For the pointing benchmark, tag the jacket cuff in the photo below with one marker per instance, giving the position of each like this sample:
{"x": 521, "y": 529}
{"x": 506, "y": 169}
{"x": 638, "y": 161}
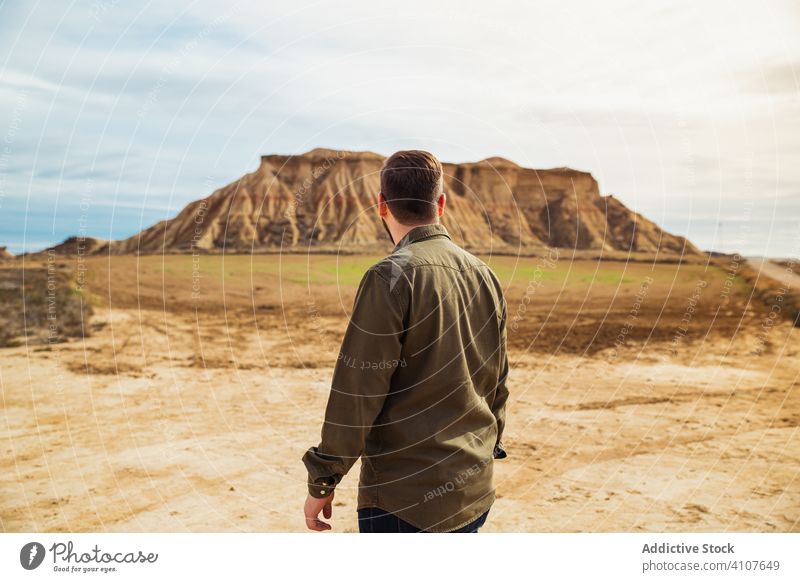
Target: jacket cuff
{"x": 321, "y": 487}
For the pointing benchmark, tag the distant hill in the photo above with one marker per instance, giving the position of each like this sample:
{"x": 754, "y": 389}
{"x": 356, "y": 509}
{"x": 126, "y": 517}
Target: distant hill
{"x": 324, "y": 199}
{"x": 80, "y": 246}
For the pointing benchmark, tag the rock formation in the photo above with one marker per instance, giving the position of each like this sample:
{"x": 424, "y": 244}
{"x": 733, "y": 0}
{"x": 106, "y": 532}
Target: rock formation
{"x": 77, "y": 245}
{"x": 325, "y": 199}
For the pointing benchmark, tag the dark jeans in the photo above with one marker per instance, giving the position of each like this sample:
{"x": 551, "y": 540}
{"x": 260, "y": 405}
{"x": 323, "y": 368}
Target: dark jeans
{"x": 375, "y": 520}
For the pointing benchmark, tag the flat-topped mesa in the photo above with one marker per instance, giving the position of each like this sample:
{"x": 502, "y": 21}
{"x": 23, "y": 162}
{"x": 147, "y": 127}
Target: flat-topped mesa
{"x": 325, "y": 200}
{"x": 320, "y": 155}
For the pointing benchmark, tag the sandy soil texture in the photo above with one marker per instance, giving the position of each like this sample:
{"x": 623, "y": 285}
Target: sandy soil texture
{"x": 644, "y": 398}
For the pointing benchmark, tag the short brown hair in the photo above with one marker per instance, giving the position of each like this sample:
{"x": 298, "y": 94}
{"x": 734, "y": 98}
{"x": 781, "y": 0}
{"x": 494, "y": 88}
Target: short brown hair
{"x": 411, "y": 183}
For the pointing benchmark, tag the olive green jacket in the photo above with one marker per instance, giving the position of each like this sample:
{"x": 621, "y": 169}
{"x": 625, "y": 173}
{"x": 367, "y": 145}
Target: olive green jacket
{"x": 419, "y": 389}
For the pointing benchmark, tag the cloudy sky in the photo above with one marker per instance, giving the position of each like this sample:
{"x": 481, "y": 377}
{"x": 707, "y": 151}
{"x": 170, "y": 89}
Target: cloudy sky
{"x": 113, "y": 114}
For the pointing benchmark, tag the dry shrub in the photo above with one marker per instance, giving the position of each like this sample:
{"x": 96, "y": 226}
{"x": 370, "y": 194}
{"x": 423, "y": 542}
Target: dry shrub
{"x": 41, "y": 304}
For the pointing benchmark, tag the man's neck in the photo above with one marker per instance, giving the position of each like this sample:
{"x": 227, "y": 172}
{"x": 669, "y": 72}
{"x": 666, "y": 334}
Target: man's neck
{"x": 400, "y": 230}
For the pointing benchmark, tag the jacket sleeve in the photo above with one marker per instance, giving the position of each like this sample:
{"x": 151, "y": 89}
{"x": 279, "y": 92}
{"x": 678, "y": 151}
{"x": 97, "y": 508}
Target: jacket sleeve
{"x": 369, "y": 355}
{"x": 501, "y": 392}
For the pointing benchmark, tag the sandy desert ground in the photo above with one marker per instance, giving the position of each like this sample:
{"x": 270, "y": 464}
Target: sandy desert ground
{"x": 644, "y": 397}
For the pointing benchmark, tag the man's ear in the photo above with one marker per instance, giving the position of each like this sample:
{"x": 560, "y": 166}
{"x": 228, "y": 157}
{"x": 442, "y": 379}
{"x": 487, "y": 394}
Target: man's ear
{"x": 441, "y": 203}
{"x": 383, "y": 207}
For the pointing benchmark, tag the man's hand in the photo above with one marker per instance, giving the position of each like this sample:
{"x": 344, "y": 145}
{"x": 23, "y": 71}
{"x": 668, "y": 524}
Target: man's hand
{"x": 312, "y": 508}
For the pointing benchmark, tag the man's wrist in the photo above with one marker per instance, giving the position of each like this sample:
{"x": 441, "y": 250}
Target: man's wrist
{"x": 321, "y": 488}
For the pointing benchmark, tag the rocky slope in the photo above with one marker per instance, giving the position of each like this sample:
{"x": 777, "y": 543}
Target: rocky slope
{"x": 324, "y": 199}
{"x": 76, "y": 245}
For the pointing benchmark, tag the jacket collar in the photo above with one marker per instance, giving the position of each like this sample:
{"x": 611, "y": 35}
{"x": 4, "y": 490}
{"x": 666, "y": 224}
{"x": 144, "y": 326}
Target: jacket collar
{"x": 419, "y": 233}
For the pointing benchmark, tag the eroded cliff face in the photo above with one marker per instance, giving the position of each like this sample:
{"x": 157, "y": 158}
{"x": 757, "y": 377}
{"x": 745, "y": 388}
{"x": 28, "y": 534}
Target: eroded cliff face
{"x": 326, "y": 199}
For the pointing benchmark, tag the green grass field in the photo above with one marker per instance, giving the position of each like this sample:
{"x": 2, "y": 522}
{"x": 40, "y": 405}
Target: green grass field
{"x": 347, "y": 270}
